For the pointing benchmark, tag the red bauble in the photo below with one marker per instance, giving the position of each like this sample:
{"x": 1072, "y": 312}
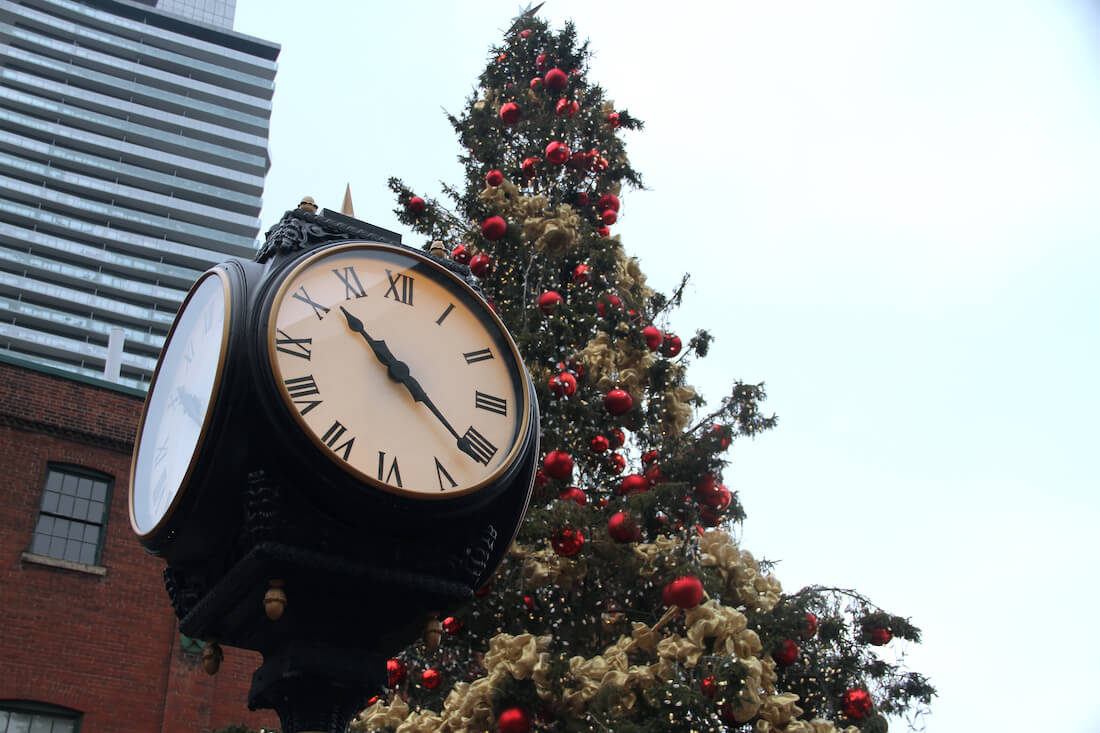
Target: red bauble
{"x": 566, "y": 107}
{"x": 653, "y": 473}
{"x": 567, "y": 542}
{"x": 556, "y": 79}
{"x": 396, "y": 671}
{"x": 685, "y": 592}
{"x": 608, "y": 302}
{"x": 649, "y": 456}
{"x": 623, "y": 528}
{"x": 582, "y": 199}
{"x": 617, "y": 437}
{"x": 493, "y": 228}
{"x": 558, "y": 464}
{"x": 536, "y": 84}
{"x": 557, "y": 153}
{"x": 514, "y": 720}
{"x": 452, "y": 625}
{"x": 562, "y": 385}
{"x": 672, "y": 345}
{"x": 856, "y": 704}
{"x": 709, "y": 686}
{"x": 613, "y": 119}
{"x": 719, "y": 499}
{"x": 461, "y": 254}
{"x": 599, "y": 444}
{"x": 604, "y": 232}
{"x": 809, "y": 626}
{"x": 481, "y": 265}
{"x": 529, "y": 603}
{"x": 709, "y": 517}
{"x": 580, "y": 274}
{"x": 608, "y": 201}
{"x": 653, "y": 337}
{"x": 509, "y": 113}
{"x": 618, "y": 401}
{"x": 529, "y": 166}
{"x": 574, "y": 493}
{"x": 540, "y": 61}
{"x": 609, "y": 217}
{"x": 786, "y": 654}
{"x": 548, "y": 301}
{"x": 525, "y": 32}
{"x": 618, "y": 463}
{"x": 633, "y": 484}
{"x": 494, "y": 177}
{"x": 431, "y": 678}
{"x": 880, "y": 636}
{"x": 417, "y": 205}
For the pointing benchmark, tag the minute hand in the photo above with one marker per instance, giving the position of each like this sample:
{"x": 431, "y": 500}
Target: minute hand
{"x": 397, "y": 370}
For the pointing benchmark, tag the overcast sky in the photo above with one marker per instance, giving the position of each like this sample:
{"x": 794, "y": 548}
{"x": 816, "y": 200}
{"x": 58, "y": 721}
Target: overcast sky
{"x": 890, "y": 214}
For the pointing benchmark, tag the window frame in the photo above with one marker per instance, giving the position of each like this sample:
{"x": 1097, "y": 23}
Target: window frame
{"x": 33, "y": 707}
{"x": 79, "y": 472}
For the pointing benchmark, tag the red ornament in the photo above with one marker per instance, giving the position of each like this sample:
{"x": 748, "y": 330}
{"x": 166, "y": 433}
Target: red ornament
{"x": 723, "y": 441}
{"x": 573, "y": 493}
{"x": 567, "y": 542}
{"x": 481, "y": 265}
{"x": 623, "y": 528}
{"x": 529, "y": 602}
{"x": 672, "y": 345}
{"x": 416, "y": 205}
{"x": 653, "y": 473}
{"x": 529, "y": 165}
{"x": 562, "y": 385}
{"x": 618, "y": 401}
{"x": 653, "y": 337}
{"x": 599, "y": 164}
{"x": 718, "y": 498}
{"x": 571, "y": 365}
{"x": 514, "y": 720}
{"x": 396, "y": 671}
{"x": 461, "y": 254}
{"x": 557, "y": 153}
{"x": 633, "y": 484}
{"x": 548, "y": 301}
{"x": 617, "y": 438}
{"x": 809, "y": 627}
{"x": 556, "y": 79}
{"x": 881, "y": 636}
{"x": 509, "y": 113}
{"x": 786, "y": 654}
{"x": 494, "y": 177}
{"x": 856, "y": 704}
{"x": 493, "y": 228}
{"x": 566, "y": 107}
{"x": 613, "y": 119}
{"x": 373, "y": 700}
{"x": 608, "y": 302}
{"x": 431, "y": 678}
{"x": 649, "y": 456}
{"x": 685, "y": 592}
{"x": 709, "y": 686}
{"x": 525, "y": 32}
{"x": 599, "y": 444}
{"x": 609, "y": 217}
{"x": 502, "y": 58}
{"x": 709, "y": 517}
{"x": 580, "y": 274}
{"x": 540, "y": 61}
{"x": 452, "y": 625}
{"x": 536, "y": 84}
{"x": 604, "y": 232}
{"x": 558, "y": 464}
{"x": 484, "y": 590}
{"x": 582, "y": 199}
{"x": 618, "y": 463}
{"x": 608, "y": 201}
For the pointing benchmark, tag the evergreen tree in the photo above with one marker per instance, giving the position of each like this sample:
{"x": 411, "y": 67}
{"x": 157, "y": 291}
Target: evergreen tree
{"x": 625, "y": 603}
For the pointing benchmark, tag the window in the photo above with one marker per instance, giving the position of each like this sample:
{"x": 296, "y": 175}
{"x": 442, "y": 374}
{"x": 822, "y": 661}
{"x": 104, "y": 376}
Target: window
{"x": 71, "y": 520}
{"x": 31, "y": 717}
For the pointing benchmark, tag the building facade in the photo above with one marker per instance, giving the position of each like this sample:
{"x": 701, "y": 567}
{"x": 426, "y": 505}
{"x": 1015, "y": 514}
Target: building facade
{"x": 133, "y": 150}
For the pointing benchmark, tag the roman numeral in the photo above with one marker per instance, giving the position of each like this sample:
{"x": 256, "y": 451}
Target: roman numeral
{"x": 472, "y": 357}
{"x": 189, "y": 352}
{"x": 334, "y": 434}
{"x": 406, "y": 283}
{"x": 477, "y": 447}
{"x": 352, "y": 286}
{"x": 484, "y": 401}
{"x": 208, "y": 318}
{"x": 394, "y": 475}
{"x": 161, "y": 452}
{"x": 318, "y": 309}
{"x": 303, "y": 387}
{"x": 440, "y": 472}
{"x": 446, "y": 313}
{"x": 298, "y": 346}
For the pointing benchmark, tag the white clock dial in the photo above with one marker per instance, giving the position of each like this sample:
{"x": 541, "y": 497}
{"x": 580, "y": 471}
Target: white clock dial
{"x": 178, "y": 407}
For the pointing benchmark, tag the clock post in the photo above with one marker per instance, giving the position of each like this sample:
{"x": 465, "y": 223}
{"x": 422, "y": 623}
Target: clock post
{"x": 339, "y": 489}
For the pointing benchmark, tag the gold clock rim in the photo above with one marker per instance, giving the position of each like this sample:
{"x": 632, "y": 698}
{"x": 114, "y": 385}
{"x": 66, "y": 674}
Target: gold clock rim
{"x": 288, "y": 404}
{"x": 219, "y": 373}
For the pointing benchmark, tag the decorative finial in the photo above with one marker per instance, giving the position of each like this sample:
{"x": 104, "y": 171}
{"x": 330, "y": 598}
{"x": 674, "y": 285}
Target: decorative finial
{"x": 346, "y": 208}
{"x": 308, "y": 205}
{"x": 437, "y": 249}
{"x": 212, "y": 656}
{"x": 275, "y": 600}
{"x": 525, "y": 15}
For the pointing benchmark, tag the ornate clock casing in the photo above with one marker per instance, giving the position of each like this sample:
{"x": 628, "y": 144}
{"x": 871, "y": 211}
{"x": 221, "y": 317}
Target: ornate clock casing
{"x": 182, "y": 472}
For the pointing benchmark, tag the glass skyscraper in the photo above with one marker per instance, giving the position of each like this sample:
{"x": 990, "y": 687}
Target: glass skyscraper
{"x": 133, "y": 150}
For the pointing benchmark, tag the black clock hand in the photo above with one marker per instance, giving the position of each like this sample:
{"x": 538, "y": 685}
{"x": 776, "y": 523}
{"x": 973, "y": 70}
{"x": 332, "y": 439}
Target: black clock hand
{"x": 398, "y": 371}
{"x": 191, "y": 405}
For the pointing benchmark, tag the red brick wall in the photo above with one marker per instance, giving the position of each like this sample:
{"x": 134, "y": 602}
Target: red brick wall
{"x": 106, "y": 645}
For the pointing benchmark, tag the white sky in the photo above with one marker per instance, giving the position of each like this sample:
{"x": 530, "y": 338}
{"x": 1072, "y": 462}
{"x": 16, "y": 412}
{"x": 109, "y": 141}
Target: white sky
{"x": 889, "y": 211}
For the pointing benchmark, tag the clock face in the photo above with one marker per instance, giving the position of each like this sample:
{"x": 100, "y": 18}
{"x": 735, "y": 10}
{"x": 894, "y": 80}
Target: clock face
{"x": 398, "y": 371}
{"x": 178, "y": 407}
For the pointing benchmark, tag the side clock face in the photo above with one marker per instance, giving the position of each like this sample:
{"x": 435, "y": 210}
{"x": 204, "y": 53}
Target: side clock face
{"x": 178, "y": 407}
{"x": 398, "y": 371}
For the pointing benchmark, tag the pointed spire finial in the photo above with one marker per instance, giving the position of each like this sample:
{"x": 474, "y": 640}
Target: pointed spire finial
{"x": 346, "y": 208}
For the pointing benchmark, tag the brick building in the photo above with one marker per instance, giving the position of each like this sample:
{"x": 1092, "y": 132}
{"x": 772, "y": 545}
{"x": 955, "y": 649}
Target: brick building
{"x": 88, "y": 640}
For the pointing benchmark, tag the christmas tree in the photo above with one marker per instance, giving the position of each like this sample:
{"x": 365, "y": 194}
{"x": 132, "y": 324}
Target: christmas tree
{"x": 625, "y": 603}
